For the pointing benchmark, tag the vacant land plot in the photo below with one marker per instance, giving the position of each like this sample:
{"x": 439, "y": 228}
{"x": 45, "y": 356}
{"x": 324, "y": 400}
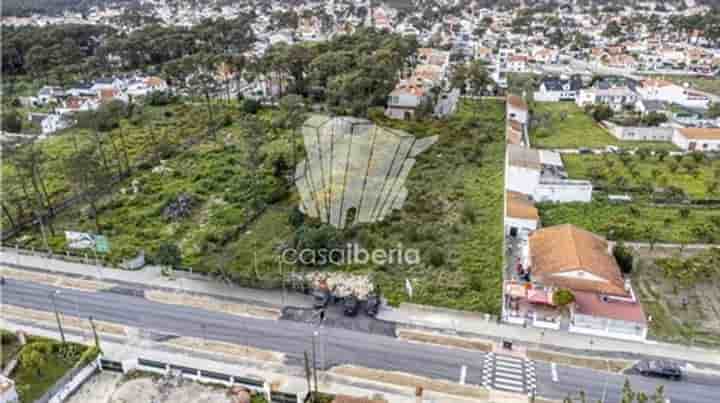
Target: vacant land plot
{"x": 239, "y": 219}
{"x": 682, "y": 297}
{"x": 108, "y": 387}
{"x": 698, "y": 178}
{"x": 564, "y": 125}
{"x": 637, "y": 221}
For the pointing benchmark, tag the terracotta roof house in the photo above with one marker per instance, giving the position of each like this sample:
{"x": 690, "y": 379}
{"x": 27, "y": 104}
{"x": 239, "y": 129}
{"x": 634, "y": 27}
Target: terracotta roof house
{"x": 567, "y": 257}
{"x": 697, "y": 139}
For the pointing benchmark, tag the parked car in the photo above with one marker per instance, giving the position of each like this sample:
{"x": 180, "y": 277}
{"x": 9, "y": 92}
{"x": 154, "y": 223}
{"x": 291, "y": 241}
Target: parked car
{"x": 351, "y": 305}
{"x": 321, "y": 298}
{"x": 660, "y": 368}
{"x": 372, "y": 305}
{"x": 612, "y": 149}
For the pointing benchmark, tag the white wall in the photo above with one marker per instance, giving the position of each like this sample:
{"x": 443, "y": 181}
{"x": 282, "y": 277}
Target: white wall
{"x": 700, "y": 145}
{"x": 524, "y": 226}
{"x": 640, "y": 133}
{"x": 523, "y": 180}
{"x": 605, "y": 327}
{"x": 518, "y": 114}
{"x": 563, "y": 192}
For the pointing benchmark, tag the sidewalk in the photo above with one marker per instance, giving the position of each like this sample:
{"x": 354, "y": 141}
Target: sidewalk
{"x": 479, "y": 325}
{"x": 288, "y": 379}
{"x": 151, "y": 277}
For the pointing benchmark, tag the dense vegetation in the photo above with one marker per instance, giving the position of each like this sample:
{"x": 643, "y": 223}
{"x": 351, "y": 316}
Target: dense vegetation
{"x": 659, "y": 176}
{"x": 637, "y": 221}
{"x": 42, "y": 362}
{"x": 241, "y": 209}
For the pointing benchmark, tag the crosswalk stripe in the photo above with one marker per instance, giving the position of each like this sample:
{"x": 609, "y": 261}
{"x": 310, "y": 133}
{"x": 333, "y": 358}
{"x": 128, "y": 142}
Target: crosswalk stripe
{"x": 508, "y": 375}
{"x": 509, "y": 359}
{"x": 509, "y": 387}
{"x": 504, "y": 365}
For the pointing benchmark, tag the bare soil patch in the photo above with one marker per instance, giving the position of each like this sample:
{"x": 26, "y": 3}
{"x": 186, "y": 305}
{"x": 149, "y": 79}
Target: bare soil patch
{"x": 235, "y": 351}
{"x": 612, "y": 365}
{"x": 68, "y": 321}
{"x": 54, "y": 280}
{"x": 212, "y": 304}
{"x": 443, "y": 340}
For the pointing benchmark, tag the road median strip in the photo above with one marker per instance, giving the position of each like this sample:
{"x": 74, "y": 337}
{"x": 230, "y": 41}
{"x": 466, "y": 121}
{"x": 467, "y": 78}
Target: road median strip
{"x": 54, "y": 280}
{"x": 212, "y": 304}
{"x": 597, "y": 363}
{"x": 234, "y": 351}
{"x": 68, "y": 321}
{"x": 444, "y": 340}
{"x": 412, "y": 381}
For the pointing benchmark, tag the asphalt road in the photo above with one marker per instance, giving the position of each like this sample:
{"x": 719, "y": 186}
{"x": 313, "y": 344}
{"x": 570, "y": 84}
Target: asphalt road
{"x": 335, "y": 346}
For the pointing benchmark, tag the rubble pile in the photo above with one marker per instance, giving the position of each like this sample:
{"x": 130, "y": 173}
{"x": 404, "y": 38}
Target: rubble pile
{"x": 342, "y": 284}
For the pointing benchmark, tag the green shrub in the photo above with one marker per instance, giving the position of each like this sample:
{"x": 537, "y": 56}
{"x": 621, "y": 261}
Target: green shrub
{"x": 563, "y": 297}
{"x": 624, "y": 257}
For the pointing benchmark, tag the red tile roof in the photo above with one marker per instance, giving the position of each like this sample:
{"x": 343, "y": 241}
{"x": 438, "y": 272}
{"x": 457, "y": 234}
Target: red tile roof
{"x": 588, "y": 303}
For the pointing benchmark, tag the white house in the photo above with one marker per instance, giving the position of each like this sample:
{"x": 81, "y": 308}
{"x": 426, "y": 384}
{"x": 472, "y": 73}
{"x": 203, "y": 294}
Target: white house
{"x": 697, "y": 139}
{"x": 555, "y": 90}
{"x": 540, "y": 174}
{"x": 615, "y": 97}
{"x": 660, "y": 90}
{"x": 521, "y": 216}
{"x": 517, "y": 109}
{"x": 108, "y": 84}
{"x": 50, "y": 123}
{"x": 517, "y": 64}
{"x": 142, "y": 86}
{"x": 405, "y": 98}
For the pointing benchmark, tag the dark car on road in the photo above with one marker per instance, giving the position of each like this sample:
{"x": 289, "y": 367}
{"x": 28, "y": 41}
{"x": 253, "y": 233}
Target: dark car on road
{"x": 321, "y": 299}
{"x": 372, "y": 305}
{"x": 659, "y": 368}
{"x": 351, "y": 305}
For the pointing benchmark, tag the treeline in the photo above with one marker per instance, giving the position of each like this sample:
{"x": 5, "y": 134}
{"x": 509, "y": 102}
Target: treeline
{"x": 63, "y": 51}
{"x": 26, "y": 8}
{"x": 350, "y": 72}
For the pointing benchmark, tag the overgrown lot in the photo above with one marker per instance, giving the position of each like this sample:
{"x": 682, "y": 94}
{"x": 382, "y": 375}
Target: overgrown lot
{"x": 637, "y": 221}
{"x": 681, "y": 295}
{"x": 238, "y": 211}
{"x": 565, "y": 125}
{"x": 696, "y": 176}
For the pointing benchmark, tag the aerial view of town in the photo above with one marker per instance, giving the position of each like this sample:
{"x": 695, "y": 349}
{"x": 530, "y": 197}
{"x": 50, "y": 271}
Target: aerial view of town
{"x": 360, "y": 201}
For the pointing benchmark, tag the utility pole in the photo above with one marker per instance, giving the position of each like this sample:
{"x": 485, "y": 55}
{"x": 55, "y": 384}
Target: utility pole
{"x": 57, "y": 315}
{"x": 307, "y": 373}
{"x": 314, "y": 365}
{"x": 95, "y": 333}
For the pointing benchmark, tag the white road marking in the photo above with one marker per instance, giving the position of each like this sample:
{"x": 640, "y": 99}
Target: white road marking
{"x": 553, "y": 366}
{"x": 463, "y": 374}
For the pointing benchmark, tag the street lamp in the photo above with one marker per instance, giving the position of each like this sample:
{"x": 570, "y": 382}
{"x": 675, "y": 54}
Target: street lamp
{"x": 57, "y": 315}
